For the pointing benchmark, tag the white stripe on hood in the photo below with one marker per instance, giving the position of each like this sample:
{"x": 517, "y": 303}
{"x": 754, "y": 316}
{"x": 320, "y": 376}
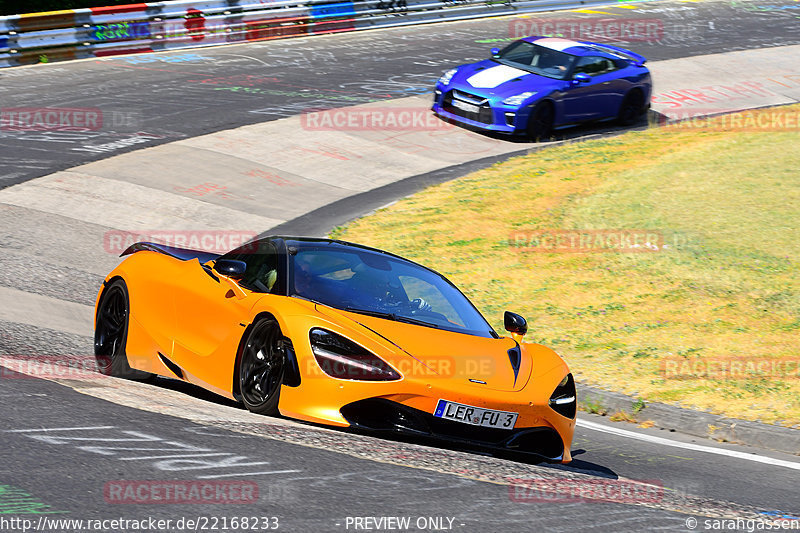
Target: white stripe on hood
{"x": 492, "y": 77}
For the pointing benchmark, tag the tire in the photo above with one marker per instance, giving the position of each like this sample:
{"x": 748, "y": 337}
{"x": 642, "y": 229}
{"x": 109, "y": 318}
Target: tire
{"x": 540, "y": 121}
{"x": 631, "y": 108}
{"x": 111, "y": 334}
{"x": 262, "y": 364}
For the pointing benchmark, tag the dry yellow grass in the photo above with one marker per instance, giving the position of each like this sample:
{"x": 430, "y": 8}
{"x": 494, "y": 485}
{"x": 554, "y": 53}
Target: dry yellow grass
{"x": 728, "y": 201}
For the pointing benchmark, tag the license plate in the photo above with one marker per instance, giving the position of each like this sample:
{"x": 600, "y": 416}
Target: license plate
{"x": 475, "y": 416}
{"x": 470, "y": 108}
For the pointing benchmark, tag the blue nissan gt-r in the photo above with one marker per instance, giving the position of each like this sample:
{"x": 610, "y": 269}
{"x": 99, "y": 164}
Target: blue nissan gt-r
{"x": 537, "y": 84}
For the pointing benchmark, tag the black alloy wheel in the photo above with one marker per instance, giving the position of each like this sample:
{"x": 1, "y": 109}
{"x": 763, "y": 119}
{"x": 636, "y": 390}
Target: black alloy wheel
{"x": 261, "y": 367}
{"x": 111, "y": 334}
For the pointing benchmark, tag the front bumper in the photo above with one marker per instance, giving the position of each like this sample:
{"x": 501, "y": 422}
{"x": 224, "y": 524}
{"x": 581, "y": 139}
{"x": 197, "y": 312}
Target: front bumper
{"x": 492, "y": 116}
{"x": 381, "y": 415}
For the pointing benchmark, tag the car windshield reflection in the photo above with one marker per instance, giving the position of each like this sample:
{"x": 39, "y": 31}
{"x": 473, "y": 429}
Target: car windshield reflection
{"x": 370, "y": 283}
{"x": 537, "y": 59}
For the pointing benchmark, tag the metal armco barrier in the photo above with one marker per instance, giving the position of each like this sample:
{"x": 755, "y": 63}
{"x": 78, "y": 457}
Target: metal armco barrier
{"x": 136, "y": 28}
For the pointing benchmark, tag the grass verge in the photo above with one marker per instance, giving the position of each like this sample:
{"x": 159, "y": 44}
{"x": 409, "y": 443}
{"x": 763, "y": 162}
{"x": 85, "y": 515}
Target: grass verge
{"x": 726, "y": 203}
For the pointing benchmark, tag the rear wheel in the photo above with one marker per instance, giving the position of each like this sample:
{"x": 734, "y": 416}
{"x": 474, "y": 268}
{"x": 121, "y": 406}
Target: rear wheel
{"x": 111, "y": 334}
{"x": 631, "y": 108}
{"x": 261, "y": 368}
{"x": 540, "y": 122}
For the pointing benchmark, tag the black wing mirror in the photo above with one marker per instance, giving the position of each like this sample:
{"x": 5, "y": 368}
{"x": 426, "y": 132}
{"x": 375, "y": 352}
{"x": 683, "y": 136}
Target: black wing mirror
{"x": 230, "y": 268}
{"x": 515, "y": 323}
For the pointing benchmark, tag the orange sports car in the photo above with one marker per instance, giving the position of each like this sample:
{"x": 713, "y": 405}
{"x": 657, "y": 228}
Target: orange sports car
{"x": 334, "y": 333}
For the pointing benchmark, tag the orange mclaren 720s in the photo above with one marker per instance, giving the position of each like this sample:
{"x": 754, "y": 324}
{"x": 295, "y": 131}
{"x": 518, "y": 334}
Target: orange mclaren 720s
{"x": 335, "y": 333}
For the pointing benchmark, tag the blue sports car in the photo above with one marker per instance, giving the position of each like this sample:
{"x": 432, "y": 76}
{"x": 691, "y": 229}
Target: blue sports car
{"x": 537, "y": 84}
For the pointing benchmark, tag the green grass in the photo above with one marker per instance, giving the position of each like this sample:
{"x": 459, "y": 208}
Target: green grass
{"x": 727, "y": 203}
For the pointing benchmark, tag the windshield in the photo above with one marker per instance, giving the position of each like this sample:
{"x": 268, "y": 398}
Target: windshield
{"x": 536, "y": 59}
{"x": 371, "y": 283}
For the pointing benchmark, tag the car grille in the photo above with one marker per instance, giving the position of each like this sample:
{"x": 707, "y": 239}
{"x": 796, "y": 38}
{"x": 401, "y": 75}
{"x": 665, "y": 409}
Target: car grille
{"x": 484, "y": 114}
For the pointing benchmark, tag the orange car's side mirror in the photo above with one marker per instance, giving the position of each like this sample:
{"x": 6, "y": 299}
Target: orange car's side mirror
{"x": 515, "y": 324}
{"x": 230, "y": 268}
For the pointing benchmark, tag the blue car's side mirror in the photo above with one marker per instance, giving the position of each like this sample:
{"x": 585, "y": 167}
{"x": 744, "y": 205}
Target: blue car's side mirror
{"x": 494, "y": 51}
{"x": 579, "y": 78}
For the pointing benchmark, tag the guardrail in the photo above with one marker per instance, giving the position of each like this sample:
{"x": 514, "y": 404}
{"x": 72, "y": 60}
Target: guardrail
{"x": 136, "y": 28}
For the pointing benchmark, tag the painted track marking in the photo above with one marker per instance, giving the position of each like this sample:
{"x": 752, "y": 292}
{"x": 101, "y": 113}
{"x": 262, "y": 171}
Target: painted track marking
{"x": 686, "y": 445}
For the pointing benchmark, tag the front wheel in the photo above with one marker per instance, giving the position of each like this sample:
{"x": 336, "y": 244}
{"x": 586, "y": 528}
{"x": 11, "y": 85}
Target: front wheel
{"x": 111, "y": 334}
{"x": 261, "y": 368}
{"x": 540, "y": 122}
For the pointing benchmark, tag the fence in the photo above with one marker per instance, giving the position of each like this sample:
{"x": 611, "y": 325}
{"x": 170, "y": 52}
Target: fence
{"x": 135, "y": 28}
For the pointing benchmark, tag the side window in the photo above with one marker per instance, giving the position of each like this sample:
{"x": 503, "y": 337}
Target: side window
{"x": 521, "y": 53}
{"x": 594, "y": 66}
{"x": 262, "y": 266}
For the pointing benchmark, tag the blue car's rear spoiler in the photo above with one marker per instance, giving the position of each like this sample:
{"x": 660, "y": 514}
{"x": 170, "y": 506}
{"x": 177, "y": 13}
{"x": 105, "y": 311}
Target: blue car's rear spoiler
{"x": 635, "y": 58}
{"x": 178, "y": 253}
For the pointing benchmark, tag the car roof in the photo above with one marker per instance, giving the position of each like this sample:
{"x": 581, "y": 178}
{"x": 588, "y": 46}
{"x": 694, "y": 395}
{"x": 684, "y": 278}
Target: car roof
{"x": 334, "y": 243}
{"x": 576, "y": 48}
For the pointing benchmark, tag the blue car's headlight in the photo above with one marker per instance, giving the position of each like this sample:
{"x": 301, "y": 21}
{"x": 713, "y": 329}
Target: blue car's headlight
{"x": 447, "y": 76}
{"x": 517, "y": 99}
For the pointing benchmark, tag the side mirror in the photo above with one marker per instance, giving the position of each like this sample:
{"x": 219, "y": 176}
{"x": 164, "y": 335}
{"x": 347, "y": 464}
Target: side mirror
{"x": 515, "y": 323}
{"x": 494, "y": 51}
{"x": 581, "y": 78}
{"x": 230, "y": 268}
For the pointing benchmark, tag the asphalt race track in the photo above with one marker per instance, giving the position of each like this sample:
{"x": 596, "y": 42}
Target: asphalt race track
{"x": 166, "y": 97}
{"x": 69, "y": 440}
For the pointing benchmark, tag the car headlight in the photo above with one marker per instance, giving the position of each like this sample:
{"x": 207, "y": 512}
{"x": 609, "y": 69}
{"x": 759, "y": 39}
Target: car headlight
{"x": 517, "y": 99}
{"x": 447, "y": 76}
{"x": 563, "y": 400}
{"x": 341, "y": 358}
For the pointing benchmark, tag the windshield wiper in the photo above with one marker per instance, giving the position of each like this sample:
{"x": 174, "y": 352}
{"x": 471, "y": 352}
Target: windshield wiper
{"x": 417, "y": 321}
{"x": 391, "y": 316}
{"x": 370, "y": 312}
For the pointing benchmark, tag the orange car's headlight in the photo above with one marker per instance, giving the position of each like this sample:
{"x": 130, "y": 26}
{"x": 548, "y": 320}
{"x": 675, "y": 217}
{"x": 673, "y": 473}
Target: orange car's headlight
{"x": 564, "y": 400}
{"x": 342, "y": 358}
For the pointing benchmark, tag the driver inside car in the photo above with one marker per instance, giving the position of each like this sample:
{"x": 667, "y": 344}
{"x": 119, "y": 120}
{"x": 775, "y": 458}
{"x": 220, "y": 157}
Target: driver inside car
{"x": 373, "y": 288}
{"x": 381, "y": 290}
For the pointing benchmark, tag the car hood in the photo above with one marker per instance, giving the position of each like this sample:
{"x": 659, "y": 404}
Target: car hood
{"x": 491, "y": 79}
{"x": 497, "y": 363}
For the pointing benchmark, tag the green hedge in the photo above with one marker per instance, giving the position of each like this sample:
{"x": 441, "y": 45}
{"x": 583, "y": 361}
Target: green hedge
{"x": 15, "y": 7}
